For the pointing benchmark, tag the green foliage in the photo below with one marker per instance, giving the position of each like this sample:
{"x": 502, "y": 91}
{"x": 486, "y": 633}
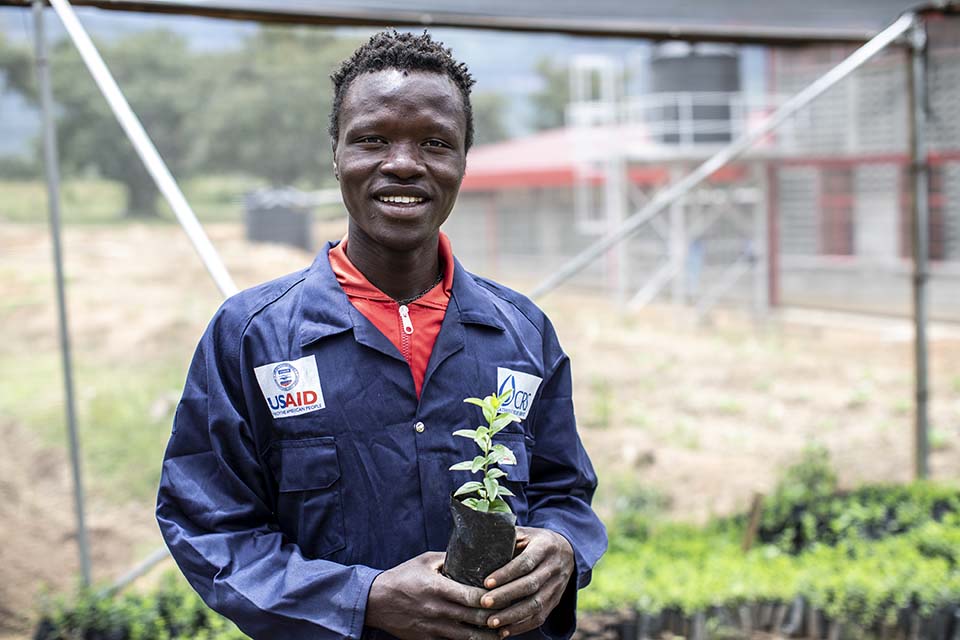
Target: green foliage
{"x": 267, "y": 106}
{"x": 124, "y": 415}
{"x": 550, "y": 101}
{"x": 488, "y": 118}
{"x": 861, "y": 581}
{"x": 260, "y": 110}
{"x": 871, "y": 512}
{"x": 16, "y": 68}
{"x": 154, "y": 71}
{"x": 174, "y": 610}
{"x": 489, "y": 492}
{"x": 97, "y": 201}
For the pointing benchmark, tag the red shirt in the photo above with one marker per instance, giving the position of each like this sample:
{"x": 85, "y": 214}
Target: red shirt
{"x": 414, "y": 335}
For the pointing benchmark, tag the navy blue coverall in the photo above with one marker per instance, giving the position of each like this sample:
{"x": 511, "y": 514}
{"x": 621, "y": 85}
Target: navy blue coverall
{"x": 302, "y": 464}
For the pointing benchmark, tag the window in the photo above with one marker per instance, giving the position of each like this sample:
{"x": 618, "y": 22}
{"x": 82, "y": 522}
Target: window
{"x": 836, "y": 211}
{"x": 936, "y": 225}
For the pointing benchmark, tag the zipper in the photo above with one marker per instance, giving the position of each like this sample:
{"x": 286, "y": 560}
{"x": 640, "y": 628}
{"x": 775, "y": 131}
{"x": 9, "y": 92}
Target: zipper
{"x": 406, "y": 327}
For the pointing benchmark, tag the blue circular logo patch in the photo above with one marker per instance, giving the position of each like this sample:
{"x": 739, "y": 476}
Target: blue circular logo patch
{"x": 286, "y": 376}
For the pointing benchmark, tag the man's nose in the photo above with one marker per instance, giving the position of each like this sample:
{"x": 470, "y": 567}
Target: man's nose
{"x": 403, "y": 160}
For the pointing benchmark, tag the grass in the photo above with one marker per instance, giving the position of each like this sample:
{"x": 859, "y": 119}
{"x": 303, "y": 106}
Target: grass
{"x": 600, "y": 411}
{"x": 730, "y": 407}
{"x": 124, "y": 413}
{"x": 939, "y": 440}
{"x": 98, "y": 201}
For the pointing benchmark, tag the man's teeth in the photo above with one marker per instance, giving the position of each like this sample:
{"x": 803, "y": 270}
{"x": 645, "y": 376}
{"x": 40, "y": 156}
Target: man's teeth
{"x": 401, "y": 199}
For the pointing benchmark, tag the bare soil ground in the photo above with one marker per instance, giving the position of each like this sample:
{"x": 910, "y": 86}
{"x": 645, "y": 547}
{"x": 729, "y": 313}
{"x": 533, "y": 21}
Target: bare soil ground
{"x": 707, "y": 415}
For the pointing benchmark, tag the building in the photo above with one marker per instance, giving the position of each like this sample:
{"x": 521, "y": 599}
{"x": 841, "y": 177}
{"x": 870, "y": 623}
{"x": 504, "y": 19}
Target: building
{"x": 817, "y": 214}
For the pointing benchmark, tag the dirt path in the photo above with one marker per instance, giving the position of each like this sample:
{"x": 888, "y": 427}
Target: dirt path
{"x": 704, "y": 415}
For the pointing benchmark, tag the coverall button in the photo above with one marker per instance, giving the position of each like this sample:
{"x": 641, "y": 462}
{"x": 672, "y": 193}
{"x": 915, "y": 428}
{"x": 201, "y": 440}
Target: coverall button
{"x": 419, "y": 427}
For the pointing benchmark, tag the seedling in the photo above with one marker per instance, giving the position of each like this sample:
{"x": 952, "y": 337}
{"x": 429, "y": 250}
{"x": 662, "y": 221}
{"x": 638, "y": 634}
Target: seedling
{"x": 488, "y": 493}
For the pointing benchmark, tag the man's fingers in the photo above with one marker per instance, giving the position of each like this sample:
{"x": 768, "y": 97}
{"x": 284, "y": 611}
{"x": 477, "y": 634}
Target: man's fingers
{"x": 514, "y": 590}
{"x": 453, "y": 591}
{"x": 434, "y": 559}
{"x": 466, "y": 615}
{"x": 521, "y": 565}
{"x": 453, "y": 631}
{"x": 536, "y": 607}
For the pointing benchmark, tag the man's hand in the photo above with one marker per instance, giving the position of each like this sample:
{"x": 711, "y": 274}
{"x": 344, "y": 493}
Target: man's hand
{"x": 528, "y": 587}
{"x": 414, "y": 601}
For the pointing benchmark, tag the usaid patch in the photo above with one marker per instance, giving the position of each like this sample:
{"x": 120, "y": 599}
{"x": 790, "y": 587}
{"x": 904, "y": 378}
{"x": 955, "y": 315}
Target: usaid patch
{"x": 291, "y": 388}
{"x": 522, "y": 387}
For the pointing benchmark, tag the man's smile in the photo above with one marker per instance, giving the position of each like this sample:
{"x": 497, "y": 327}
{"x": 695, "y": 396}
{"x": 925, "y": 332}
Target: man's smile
{"x": 401, "y": 199}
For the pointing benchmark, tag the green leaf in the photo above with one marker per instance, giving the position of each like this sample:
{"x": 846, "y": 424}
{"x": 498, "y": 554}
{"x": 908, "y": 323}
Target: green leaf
{"x": 502, "y": 455}
{"x": 463, "y": 466}
{"x": 500, "y": 506}
{"x": 489, "y": 412}
{"x": 482, "y": 505}
{"x": 478, "y": 463}
{"x": 491, "y": 486}
{"x": 483, "y": 442}
{"x": 472, "y": 503}
{"x": 503, "y": 491}
{"x": 468, "y": 487}
{"x": 503, "y": 420}
{"x": 476, "y": 401}
{"x": 466, "y": 433}
{"x": 496, "y": 473}
{"x": 483, "y": 431}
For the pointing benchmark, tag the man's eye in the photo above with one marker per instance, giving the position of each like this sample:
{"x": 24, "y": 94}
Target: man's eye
{"x": 371, "y": 140}
{"x": 439, "y": 144}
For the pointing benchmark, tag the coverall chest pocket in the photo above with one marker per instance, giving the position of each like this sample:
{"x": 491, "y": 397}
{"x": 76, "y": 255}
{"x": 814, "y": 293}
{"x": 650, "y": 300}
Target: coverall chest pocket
{"x": 309, "y": 505}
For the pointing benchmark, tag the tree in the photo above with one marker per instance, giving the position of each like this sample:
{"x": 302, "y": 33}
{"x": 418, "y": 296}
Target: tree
{"x": 154, "y": 71}
{"x": 550, "y": 102}
{"x": 488, "y": 118}
{"x": 267, "y": 106}
{"x": 16, "y": 68}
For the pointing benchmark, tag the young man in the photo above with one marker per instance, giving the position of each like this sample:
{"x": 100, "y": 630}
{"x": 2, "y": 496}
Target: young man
{"x": 306, "y": 486}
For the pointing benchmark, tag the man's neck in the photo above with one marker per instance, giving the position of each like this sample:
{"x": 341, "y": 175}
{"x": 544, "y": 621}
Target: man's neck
{"x": 399, "y": 274}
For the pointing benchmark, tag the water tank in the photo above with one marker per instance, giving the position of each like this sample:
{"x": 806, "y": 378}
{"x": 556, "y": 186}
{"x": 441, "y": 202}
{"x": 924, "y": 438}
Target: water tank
{"x": 279, "y": 215}
{"x": 682, "y": 70}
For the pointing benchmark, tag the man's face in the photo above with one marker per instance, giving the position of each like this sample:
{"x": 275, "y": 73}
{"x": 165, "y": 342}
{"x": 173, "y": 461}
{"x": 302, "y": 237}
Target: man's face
{"x": 400, "y": 155}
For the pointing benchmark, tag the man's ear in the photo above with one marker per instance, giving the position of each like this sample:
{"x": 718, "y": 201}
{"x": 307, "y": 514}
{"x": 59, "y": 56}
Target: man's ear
{"x": 336, "y": 171}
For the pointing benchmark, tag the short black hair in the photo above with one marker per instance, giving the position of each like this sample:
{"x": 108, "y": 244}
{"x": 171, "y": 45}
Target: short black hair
{"x": 405, "y": 52}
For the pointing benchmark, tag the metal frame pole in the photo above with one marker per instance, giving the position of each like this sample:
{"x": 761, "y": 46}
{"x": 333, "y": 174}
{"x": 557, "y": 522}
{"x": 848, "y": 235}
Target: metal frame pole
{"x": 921, "y": 234}
{"x": 677, "y": 190}
{"x": 51, "y": 163}
{"x": 144, "y": 147}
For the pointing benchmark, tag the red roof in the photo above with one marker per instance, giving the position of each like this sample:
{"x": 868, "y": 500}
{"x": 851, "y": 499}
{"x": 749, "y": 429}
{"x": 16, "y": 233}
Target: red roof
{"x": 550, "y": 159}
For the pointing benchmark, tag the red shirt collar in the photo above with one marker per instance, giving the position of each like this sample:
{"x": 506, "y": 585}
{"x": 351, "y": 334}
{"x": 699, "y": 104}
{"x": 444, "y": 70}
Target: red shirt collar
{"x": 355, "y": 284}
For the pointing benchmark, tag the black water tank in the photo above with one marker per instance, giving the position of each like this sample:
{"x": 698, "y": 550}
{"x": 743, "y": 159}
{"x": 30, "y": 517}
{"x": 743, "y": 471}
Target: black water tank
{"x": 279, "y": 215}
{"x": 677, "y": 67}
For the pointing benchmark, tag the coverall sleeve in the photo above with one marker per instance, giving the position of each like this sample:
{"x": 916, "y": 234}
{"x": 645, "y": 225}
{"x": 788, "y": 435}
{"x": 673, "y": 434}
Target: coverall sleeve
{"x": 562, "y": 484}
{"x": 214, "y": 510}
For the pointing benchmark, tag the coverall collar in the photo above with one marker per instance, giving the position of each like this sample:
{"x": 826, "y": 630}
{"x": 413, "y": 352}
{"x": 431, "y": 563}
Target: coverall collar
{"x": 327, "y": 311}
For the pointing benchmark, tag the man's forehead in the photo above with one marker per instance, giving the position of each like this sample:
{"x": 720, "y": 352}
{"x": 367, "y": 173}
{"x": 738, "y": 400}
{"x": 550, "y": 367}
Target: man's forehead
{"x": 385, "y": 83}
{"x": 390, "y": 80}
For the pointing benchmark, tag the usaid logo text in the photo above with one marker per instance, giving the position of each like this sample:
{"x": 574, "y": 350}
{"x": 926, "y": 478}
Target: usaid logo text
{"x": 520, "y": 387}
{"x": 299, "y": 399}
{"x": 291, "y": 388}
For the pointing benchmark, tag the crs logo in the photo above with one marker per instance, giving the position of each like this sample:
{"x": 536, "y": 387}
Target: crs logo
{"x": 515, "y": 400}
{"x": 286, "y": 376}
{"x": 520, "y": 389}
